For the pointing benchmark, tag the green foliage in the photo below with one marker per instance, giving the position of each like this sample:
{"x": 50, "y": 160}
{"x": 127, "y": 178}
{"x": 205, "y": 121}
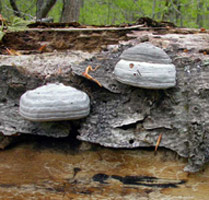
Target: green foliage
{"x": 110, "y": 12}
{"x": 2, "y": 33}
{"x": 181, "y": 12}
{"x": 18, "y": 24}
{"x": 187, "y": 13}
{"x": 56, "y": 11}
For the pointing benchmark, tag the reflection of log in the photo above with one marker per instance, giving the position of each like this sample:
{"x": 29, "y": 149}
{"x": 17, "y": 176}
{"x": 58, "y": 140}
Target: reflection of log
{"x": 121, "y": 116}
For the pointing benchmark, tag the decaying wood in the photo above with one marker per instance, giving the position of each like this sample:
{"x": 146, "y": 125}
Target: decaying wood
{"x": 121, "y": 116}
{"x": 98, "y": 29}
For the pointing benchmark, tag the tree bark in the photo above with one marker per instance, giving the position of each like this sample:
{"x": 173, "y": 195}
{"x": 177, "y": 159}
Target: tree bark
{"x": 199, "y": 15}
{"x": 153, "y": 9}
{"x": 0, "y": 6}
{"x": 39, "y": 4}
{"x": 15, "y": 8}
{"x": 178, "y": 12}
{"x": 71, "y": 10}
{"x": 43, "y": 8}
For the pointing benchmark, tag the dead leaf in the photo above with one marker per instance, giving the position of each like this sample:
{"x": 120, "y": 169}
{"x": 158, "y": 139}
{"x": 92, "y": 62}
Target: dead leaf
{"x": 202, "y": 30}
{"x": 2, "y": 19}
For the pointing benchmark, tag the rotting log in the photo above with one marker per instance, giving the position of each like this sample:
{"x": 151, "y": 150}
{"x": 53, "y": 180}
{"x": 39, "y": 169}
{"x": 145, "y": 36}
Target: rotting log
{"x": 121, "y": 116}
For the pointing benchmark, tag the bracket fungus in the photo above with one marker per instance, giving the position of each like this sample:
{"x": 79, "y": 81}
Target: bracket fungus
{"x": 54, "y": 102}
{"x": 146, "y": 66}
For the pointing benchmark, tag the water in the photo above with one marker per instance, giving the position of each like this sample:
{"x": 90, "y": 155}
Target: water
{"x": 39, "y": 168}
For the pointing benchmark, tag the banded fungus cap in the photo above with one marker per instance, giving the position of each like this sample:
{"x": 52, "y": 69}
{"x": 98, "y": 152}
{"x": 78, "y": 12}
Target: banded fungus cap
{"x": 146, "y": 66}
{"x": 54, "y": 102}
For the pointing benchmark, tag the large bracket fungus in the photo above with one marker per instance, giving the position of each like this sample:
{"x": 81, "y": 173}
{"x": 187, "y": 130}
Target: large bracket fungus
{"x": 54, "y": 102}
{"x": 146, "y": 66}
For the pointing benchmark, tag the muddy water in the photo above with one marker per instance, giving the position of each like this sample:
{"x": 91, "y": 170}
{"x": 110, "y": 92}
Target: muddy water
{"x": 53, "y": 170}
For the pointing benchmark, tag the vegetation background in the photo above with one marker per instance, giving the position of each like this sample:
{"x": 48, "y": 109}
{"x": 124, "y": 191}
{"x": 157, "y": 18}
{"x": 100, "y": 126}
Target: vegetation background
{"x": 184, "y": 13}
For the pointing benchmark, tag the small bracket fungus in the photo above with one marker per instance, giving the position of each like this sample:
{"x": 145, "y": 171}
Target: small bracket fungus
{"x": 146, "y": 66}
{"x": 53, "y": 102}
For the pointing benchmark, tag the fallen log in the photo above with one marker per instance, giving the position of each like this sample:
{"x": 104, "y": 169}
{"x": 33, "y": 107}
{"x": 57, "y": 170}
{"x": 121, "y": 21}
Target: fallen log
{"x": 121, "y": 116}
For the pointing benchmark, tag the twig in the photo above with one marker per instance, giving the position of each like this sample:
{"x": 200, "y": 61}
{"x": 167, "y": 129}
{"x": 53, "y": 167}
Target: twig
{"x": 158, "y": 141}
{"x": 85, "y": 74}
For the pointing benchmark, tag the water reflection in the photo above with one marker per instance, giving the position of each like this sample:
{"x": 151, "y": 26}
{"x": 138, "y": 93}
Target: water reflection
{"x": 43, "y": 168}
